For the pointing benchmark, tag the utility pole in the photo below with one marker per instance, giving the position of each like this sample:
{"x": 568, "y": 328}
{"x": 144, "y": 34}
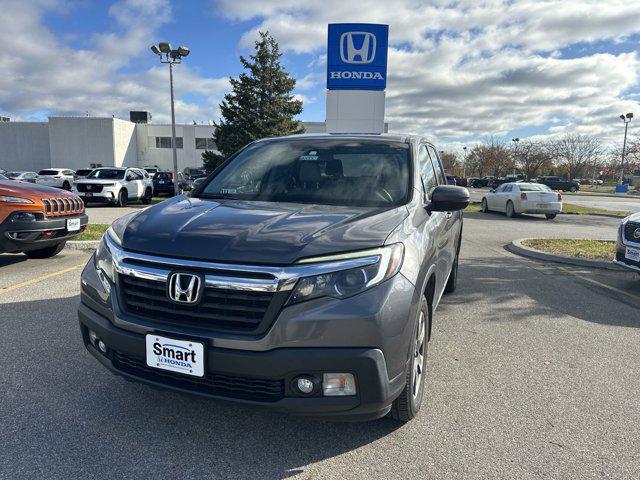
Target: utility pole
{"x": 626, "y": 119}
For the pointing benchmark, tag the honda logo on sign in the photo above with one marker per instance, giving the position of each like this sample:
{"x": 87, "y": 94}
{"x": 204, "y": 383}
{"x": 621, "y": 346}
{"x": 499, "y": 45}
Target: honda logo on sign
{"x": 185, "y": 287}
{"x": 362, "y": 54}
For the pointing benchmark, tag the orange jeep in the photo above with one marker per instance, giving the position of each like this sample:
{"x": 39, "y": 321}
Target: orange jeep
{"x": 38, "y": 220}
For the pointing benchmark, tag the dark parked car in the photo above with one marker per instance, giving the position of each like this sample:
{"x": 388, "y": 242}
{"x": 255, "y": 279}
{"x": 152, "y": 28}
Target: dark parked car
{"x": 302, "y": 277}
{"x": 163, "y": 183}
{"x": 82, "y": 173}
{"x": 559, "y": 183}
{"x": 194, "y": 173}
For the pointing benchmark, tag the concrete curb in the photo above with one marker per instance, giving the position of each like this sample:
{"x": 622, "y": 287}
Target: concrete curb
{"x": 82, "y": 245}
{"x": 519, "y": 249}
{"x": 607, "y": 215}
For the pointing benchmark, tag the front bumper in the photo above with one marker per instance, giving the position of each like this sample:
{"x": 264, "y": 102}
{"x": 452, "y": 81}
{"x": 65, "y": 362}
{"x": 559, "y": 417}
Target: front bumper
{"x": 244, "y": 376}
{"x": 368, "y": 335}
{"x": 25, "y": 235}
{"x": 105, "y": 196}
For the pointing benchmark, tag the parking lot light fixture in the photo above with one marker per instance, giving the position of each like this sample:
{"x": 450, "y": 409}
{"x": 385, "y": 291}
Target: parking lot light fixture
{"x": 626, "y": 119}
{"x": 171, "y": 57}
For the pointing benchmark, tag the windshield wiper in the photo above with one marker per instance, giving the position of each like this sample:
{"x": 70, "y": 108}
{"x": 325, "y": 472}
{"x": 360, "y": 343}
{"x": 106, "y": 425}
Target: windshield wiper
{"x": 218, "y": 196}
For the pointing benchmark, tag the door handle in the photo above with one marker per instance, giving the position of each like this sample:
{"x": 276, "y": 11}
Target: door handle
{"x": 449, "y": 214}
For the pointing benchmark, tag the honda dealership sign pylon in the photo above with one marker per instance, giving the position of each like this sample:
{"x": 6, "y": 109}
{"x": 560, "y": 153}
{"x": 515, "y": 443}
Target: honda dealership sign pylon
{"x": 357, "y": 56}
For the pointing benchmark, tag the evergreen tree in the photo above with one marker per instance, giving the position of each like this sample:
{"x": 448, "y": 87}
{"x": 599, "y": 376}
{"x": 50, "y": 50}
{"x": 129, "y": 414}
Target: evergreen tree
{"x": 260, "y": 104}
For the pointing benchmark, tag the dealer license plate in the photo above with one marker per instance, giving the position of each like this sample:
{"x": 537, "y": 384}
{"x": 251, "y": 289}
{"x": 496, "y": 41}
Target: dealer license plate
{"x": 543, "y": 205}
{"x": 179, "y": 356}
{"x": 73, "y": 224}
{"x": 632, "y": 254}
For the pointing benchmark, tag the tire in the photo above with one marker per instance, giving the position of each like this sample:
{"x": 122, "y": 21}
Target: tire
{"x": 484, "y": 208}
{"x": 148, "y": 195}
{"x": 123, "y": 198}
{"x": 45, "y": 252}
{"x": 452, "y": 283}
{"x": 550, "y": 216}
{"x": 573, "y": 189}
{"x": 407, "y": 405}
{"x": 511, "y": 210}
{"x": 66, "y": 186}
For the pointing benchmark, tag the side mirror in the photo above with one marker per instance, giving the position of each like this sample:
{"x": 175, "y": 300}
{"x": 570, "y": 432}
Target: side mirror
{"x": 448, "y": 198}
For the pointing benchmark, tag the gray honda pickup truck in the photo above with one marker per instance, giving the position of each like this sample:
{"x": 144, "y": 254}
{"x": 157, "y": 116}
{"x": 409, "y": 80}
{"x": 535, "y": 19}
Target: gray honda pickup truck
{"x": 302, "y": 275}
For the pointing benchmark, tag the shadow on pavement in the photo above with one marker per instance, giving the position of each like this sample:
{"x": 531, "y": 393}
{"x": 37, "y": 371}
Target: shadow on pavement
{"x": 12, "y": 258}
{"x": 542, "y": 289}
{"x": 66, "y": 416}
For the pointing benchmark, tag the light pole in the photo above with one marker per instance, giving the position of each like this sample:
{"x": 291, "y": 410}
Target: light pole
{"x": 169, "y": 56}
{"x": 464, "y": 163}
{"x": 515, "y": 153}
{"x": 626, "y": 119}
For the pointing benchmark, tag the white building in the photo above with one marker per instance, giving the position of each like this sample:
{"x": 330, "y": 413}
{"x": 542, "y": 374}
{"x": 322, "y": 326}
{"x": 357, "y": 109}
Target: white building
{"x": 86, "y": 142}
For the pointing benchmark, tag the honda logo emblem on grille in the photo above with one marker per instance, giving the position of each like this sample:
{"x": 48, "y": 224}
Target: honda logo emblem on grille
{"x": 636, "y": 234}
{"x": 185, "y": 287}
{"x": 364, "y": 53}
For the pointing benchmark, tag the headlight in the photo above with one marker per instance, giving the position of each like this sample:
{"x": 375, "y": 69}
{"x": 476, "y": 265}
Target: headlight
{"x": 343, "y": 283}
{"x": 6, "y": 199}
{"x": 103, "y": 260}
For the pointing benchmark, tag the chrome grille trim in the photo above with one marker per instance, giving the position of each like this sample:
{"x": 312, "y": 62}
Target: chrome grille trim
{"x": 281, "y": 278}
{"x": 62, "y": 206}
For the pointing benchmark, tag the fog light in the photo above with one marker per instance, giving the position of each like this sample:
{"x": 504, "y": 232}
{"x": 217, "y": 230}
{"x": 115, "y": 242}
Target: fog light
{"x": 338, "y": 384}
{"x": 102, "y": 346}
{"x": 305, "y": 385}
{"x": 93, "y": 337}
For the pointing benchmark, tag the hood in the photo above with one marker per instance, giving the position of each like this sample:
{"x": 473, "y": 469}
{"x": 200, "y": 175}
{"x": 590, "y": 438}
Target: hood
{"x": 235, "y": 231}
{"x": 10, "y": 187}
{"x": 634, "y": 217}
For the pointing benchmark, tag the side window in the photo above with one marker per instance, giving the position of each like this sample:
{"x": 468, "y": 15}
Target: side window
{"x": 499, "y": 189}
{"x": 428, "y": 175}
{"x": 442, "y": 179}
{"x": 508, "y": 188}
{"x": 130, "y": 176}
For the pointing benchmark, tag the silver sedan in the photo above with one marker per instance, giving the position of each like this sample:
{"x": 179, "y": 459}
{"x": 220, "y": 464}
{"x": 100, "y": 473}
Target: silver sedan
{"x": 522, "y": 197}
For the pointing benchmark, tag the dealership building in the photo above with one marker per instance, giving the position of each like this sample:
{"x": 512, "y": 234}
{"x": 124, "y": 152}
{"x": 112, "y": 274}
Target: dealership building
{"x": 88, "y": 142}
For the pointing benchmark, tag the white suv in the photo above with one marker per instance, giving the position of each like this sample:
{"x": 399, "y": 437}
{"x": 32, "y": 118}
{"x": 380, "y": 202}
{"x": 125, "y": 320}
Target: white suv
{"x": 115, "y": 185}
{"x": 56, "y": 177}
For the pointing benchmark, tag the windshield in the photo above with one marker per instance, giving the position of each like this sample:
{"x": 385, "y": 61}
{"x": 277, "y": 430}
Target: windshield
{"x": 107, "y": 174}
{"x": 48, "y": 172}
{"x": 14, "y": 174}
{"x": 163, "y": 176}
{"x": 533, "y": 188}
{"x": 83, "y": 171}
{"x": 319, "y": 171}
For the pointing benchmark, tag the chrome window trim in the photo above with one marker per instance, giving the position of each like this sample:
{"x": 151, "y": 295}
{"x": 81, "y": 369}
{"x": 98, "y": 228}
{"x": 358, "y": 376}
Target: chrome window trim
{"x": 283, "y": 278}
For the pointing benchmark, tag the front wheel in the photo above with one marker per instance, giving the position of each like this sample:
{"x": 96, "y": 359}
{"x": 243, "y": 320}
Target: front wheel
{"x": 407, "y": 405}
{"x": 550, "y": 216}
{"x": 148, "y": 195}
{"x": 484, "y": 207}
{"x": 573, "y": 189}
{"x": 123, "y": 198}
{"x": 45, "y": 252}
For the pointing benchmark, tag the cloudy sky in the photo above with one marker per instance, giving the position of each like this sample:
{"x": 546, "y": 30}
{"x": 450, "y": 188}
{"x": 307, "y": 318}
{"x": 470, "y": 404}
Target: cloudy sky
{"x": 458, "y": 70}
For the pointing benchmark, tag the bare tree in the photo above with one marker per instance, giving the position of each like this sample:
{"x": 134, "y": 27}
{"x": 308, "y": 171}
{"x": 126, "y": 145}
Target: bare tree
{"x": 532, "y": 158}
{"x": 576, "y": 153}
{"x": 449, "y": 161}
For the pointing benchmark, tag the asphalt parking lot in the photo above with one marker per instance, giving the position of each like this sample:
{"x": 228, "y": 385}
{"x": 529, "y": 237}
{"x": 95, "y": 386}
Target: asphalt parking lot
{"x": 532, "y": 373}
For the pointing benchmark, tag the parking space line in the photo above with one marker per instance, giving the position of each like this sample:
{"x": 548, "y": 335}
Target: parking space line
{"x": 40, "y": 278}
{"x": 604, "y": 285}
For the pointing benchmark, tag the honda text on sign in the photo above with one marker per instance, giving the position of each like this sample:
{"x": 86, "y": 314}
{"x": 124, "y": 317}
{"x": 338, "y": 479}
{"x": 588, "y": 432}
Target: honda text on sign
{"x": 357, "y": 56}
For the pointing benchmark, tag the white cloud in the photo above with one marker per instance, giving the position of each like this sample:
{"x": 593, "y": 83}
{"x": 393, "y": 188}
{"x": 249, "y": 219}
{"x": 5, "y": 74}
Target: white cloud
{"x": 48, "y": 76}
{"x": 465, "y": 69}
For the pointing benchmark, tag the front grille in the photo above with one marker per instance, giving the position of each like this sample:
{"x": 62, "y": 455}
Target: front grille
{"x": 629, "y": 229}
{"x": 218, "y": 310}
{"x": 62, "y": 206}
{"x": 89, "y": 187}
{"x": 257, "y": 389}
